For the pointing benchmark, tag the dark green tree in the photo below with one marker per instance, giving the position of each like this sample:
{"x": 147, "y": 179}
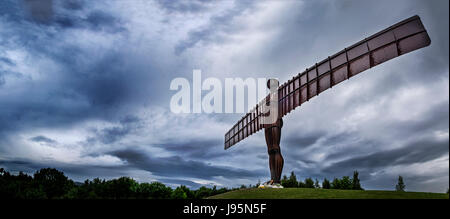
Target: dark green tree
{"x": 122, "y": 188}
{"x": 316, "y": 184}
{"x": 52, "y": 182}
{"x": 336, "y": 184}
{"x": 284, "y": 181}
{"x": 326, "y": 184}
{"x": 346, "y": 183}
{"x": 400, "y": 185}
{"x": 189, "y": 193}
{"x": 19, "y": 186}
{"x": 309, "y": 183}
{"x": 154, "y": 190}
{"x": 203, "y": 192}
{"x": 179, "y": 193}
{"x": 292, "y": 181}
{"x": 355, "y": 181}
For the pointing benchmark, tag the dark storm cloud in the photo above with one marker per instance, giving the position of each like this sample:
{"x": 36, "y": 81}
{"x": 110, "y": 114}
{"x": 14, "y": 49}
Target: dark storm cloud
{"x": 435, "y": 119}
{"x": 17, "y": 165}
{"x": 416, "y": 152}
{"x": 176, "y": 166}
{"x": 196, "y": 149}
{"x": 217, "y": 29}
{"x": 187, "y": 183}
{"x": 6, "y": 61}
{"x": 352, "y": 147}
{"x": 337, "y": 28}
{"x": 97, "y": 80}
{"x": 180, "y": 6}
{"x": 73, "y": 4}
{"x": 96, "y": 21}
{"x": 112, "y": 134}
{"x": 303, "y": 140}
{"x": 82, "y": 90}
{"x": 12, "y": 10}
{"x": 82, "y": 172}
{"x": 41, "y": 138}
{"x": 77, "y": 172}
{"x": 50, "y": 13}
{"x": 40, "y": 10}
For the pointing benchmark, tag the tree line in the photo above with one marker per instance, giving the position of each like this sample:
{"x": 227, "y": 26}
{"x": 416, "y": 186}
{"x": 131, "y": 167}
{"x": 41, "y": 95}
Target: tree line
{"x": 345, "y": 182}
{"x": 49, "y": 183}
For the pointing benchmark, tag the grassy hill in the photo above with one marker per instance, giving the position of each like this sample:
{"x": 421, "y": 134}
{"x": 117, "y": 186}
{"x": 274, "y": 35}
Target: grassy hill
{"x": 303, "y": 193}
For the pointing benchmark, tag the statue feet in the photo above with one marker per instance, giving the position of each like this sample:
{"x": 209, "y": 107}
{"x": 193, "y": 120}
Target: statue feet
{"x": 271, "y": 184}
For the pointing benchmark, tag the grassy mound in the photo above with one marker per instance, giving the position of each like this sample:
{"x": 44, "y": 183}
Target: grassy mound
{"x": 303, "y": 193}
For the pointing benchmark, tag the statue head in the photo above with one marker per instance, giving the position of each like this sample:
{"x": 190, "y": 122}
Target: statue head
{"x": 272, "y": 83}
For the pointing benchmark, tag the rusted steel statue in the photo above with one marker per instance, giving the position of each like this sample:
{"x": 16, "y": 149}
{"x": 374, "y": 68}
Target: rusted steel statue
{"x": 272, "y": 132}
{"x": 401, "y": 38}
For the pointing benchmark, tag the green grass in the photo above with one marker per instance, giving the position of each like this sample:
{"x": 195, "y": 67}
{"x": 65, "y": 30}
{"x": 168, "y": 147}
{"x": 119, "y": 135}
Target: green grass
{"x": 303, "y": 193}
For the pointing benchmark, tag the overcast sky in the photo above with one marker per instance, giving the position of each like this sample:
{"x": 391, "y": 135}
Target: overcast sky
{"x": 84, "y": 87}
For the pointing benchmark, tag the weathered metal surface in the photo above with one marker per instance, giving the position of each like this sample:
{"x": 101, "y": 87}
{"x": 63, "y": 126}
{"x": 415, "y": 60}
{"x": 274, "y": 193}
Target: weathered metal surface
{"x": 399, "y": 39}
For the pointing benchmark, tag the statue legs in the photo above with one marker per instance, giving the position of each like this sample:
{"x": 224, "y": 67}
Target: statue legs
{"x": 273, "y": 136}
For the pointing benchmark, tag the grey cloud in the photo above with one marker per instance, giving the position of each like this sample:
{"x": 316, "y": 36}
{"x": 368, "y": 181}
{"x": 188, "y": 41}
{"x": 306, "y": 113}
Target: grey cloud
{"x": 187, "y": 183}
{"x": 83, "y": 172}
{"x": 176, "y": 166}
{"x": 218, "y": 27}
{"x": 416, "y": 152}
{"x": 64, "y": 14}
{"x": 101, "y": 20}
{"x": 73, "y": 4}
{"x": 96, "y": 86}
{"x": 98, "y": 21}
{"x": 113, "y": 134}
{"x": 109, "y": 135}
{"x": 180, "y": 6}
{"x": 6, "y": 61}
{"x": 197, "y": 149}
{"x": 43, "y": 139}
{"x": 40, "y": 10}
{"x": 302, "y": 140}
{"x": 434, "y": 119}
{"x": 101, "y": 83}
{"x": 79, "y": 172}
